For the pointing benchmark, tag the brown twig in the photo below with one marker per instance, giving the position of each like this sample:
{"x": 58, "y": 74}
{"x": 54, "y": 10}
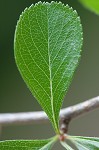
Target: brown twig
{"x": 74, "y": 111}
{"x": 66, "y": 114}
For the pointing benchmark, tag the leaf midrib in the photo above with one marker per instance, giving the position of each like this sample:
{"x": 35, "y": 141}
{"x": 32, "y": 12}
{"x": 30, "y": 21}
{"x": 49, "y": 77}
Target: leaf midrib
{"x": 51, "y": 85}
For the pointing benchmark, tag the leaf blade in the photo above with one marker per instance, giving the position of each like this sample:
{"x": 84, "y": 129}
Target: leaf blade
{"x": 85, "y": 142}
{"x": 66, "y": 146}
{"x": 26, "y": 144}
{"x": 48, "y": 42}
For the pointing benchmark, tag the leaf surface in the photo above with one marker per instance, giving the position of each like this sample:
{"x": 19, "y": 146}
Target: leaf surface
{"x": 48, "y": 42}
{"x": 66, "y": 146}
{"x": 92, "y": 5}
{"x": 26, "y": 145}
{"x": 86, "y": 143}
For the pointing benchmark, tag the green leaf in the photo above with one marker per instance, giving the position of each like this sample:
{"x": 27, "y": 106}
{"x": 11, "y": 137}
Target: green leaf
{"x": 66, "y": 146}
{"x": 85, "y": 143}
{"x": 47, "y": 44}
{"x": 27, "y": 144}
{"x": 92, "y": 5}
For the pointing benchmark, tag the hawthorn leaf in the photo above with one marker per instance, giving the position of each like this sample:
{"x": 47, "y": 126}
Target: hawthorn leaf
{"x": 92, "y": 5}
{"x": 47, "y": 46}
{"x": 85, "y": 143}
{"x": 27, "y": 144}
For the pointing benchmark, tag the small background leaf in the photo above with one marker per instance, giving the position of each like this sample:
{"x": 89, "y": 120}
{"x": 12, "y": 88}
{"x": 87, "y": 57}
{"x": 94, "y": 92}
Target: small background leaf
{"x": 85, "y": 143}
{"x": 48, "y": 42}
{"x": 92, "y": 5}
{"x": 26, "y": 145}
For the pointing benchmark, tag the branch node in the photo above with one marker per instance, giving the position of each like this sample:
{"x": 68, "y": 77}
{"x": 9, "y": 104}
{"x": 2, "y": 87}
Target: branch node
{"x": 65, "y": 124}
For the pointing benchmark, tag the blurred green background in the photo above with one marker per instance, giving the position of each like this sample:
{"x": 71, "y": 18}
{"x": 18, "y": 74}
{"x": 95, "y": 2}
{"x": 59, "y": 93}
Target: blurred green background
{"x": 15, "y": 96}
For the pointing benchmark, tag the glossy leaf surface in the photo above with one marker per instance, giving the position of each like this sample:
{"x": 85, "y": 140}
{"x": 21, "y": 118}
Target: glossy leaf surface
{"x": 66, "y": 146}
{"x": 86, "y": 143}
{"x": 48, "y": 42}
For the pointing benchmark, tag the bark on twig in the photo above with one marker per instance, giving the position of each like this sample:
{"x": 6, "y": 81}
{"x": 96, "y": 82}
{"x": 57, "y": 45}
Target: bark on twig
{"x": 40, "y": 117}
